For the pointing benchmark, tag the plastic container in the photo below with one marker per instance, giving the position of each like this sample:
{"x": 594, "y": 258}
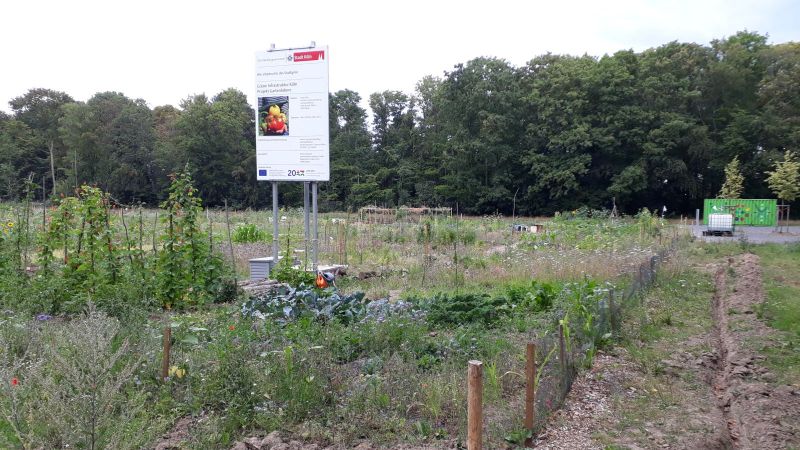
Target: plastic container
{"x": 720, "y": 222}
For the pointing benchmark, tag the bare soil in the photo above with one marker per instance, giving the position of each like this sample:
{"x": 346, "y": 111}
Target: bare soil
{"x": 277, "y": 441}
{"x": 758, "y": 413}
{"x": 180, "y": 433}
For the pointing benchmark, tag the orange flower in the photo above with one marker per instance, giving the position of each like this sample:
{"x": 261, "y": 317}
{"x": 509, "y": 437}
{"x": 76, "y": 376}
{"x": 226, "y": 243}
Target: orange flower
{"x": 231, "y": 327}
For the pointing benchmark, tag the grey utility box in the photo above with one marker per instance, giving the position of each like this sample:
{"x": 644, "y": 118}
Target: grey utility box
{"x": 261, "y": 267}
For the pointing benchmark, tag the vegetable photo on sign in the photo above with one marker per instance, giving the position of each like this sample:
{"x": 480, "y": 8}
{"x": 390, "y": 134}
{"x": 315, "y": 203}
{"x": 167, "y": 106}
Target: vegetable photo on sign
{"x": 273, "y": 116}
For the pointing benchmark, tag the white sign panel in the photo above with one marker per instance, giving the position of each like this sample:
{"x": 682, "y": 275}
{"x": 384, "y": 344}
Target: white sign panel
{"x": 292, "y": 115}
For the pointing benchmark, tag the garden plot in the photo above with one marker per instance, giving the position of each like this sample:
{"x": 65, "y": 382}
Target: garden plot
{"x": 335, "y": 367}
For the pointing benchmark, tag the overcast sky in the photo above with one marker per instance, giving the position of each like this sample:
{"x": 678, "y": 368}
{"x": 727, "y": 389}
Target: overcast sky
{"x": 163, "y": 51}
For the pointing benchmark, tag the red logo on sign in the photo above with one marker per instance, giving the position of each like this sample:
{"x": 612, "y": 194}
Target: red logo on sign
{"x": 309, "y": 56}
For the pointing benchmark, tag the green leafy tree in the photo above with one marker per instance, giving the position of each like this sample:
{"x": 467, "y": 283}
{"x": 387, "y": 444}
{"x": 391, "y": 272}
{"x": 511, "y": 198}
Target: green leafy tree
{"x": 41, "y": 110}
{"x": 784, "y": 181}
{"x": 18, "y": 147}
{"x": 352, "y": 158}
{"x": 734, "y": 181}
{"x": 477, "y": 122}
{"x": 110, "y": 141}
{"x": 217, "y": 135}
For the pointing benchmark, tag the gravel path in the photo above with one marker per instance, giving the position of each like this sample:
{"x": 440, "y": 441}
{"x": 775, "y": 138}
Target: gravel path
{"x": 754, "y": 235}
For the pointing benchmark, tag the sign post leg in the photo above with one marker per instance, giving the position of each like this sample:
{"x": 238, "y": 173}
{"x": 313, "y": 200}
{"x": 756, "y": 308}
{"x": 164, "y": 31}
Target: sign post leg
{"x": 306, "y": 192}
{"x": 274, "y": 223}
{"x": 314, "y": 186}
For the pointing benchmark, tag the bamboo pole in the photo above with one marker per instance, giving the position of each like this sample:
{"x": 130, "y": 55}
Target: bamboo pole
{"x": 530, "y": 391}
{"x": 475, "y": 405}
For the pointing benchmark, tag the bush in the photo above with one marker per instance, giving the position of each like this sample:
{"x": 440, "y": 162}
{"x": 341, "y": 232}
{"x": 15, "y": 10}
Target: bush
{"x": 71, "y": 384}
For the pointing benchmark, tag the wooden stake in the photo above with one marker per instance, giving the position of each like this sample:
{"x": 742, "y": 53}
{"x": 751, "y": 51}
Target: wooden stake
{"x": 475, "y": 405}
{"x": 612, "y": 311}
{"x": 44, "y": 207}
{"x": 155, "y": 228}
{"x": 562, "y": 350}
{"x": 230, "y": 241}
{"x": 141, "y": 233}
{"x": 210, "y": 232}
{"x": 530, "y": 391}
{"x": 127, "y": 238}
{"x": 165, "y": 356}
{"x": 346, "y": 223}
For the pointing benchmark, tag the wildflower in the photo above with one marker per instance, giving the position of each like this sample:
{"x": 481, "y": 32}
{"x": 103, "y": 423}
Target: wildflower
{"x": 10, "y": 224}
{"x": 231, "y": 327}
{"x": 14, "y": 381}
{"x": 42, "y": 317}
{"x": 175, "y": 371}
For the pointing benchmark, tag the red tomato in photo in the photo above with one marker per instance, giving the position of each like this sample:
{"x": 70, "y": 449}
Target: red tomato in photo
{"x": 277, "y": 125}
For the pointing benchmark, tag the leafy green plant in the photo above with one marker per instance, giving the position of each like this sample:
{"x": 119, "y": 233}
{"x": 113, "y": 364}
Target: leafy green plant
{"x": 93, "y": 261}
{"x": 518, "y": 436}
{"x": 295, "y": 277}
{"x": 649, "y": 223}
{"x": 245, "y": 233}
{"x": 297, "y": 389}
{"x": 188, "y": 272}
{"x": 492, "y": 388}
{"x": 286, "y": 304}
{"x": 447, "y": 310}
{"x": 231, "y": 384}
{"x": 536, "y": 296}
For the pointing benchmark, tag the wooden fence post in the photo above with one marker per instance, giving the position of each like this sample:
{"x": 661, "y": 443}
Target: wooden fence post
{"x": 562, "y": 350}
{"x": 165, "y": 356}
{"x": 612, "y": 312}
{"x": 530, "y": 391}
{"x": 475, "y": 405}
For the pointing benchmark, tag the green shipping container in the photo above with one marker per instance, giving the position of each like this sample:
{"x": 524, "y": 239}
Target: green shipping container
{"x": 748, "y": 211}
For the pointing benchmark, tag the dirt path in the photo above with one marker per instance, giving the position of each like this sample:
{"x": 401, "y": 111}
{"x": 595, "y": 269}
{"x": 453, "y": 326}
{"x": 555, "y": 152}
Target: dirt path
{"x": 588, "y": 405}
{"x": 707, "y": 387}
{"x": 759, "y": 414}
{"x": 730, "y": 429}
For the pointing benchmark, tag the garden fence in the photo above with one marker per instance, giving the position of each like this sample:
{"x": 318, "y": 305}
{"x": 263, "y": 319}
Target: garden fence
{"x": 561, "y": 353}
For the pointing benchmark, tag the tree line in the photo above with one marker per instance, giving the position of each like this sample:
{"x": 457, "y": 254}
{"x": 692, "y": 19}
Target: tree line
{"x": 645, "y": 129}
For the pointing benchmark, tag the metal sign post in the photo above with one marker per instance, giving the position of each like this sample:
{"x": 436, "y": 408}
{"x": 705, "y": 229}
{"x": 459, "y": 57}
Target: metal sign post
{"x": 274, "y": 223}
{"x": 306, "y": 192}
{"x": 316, "y": 223}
